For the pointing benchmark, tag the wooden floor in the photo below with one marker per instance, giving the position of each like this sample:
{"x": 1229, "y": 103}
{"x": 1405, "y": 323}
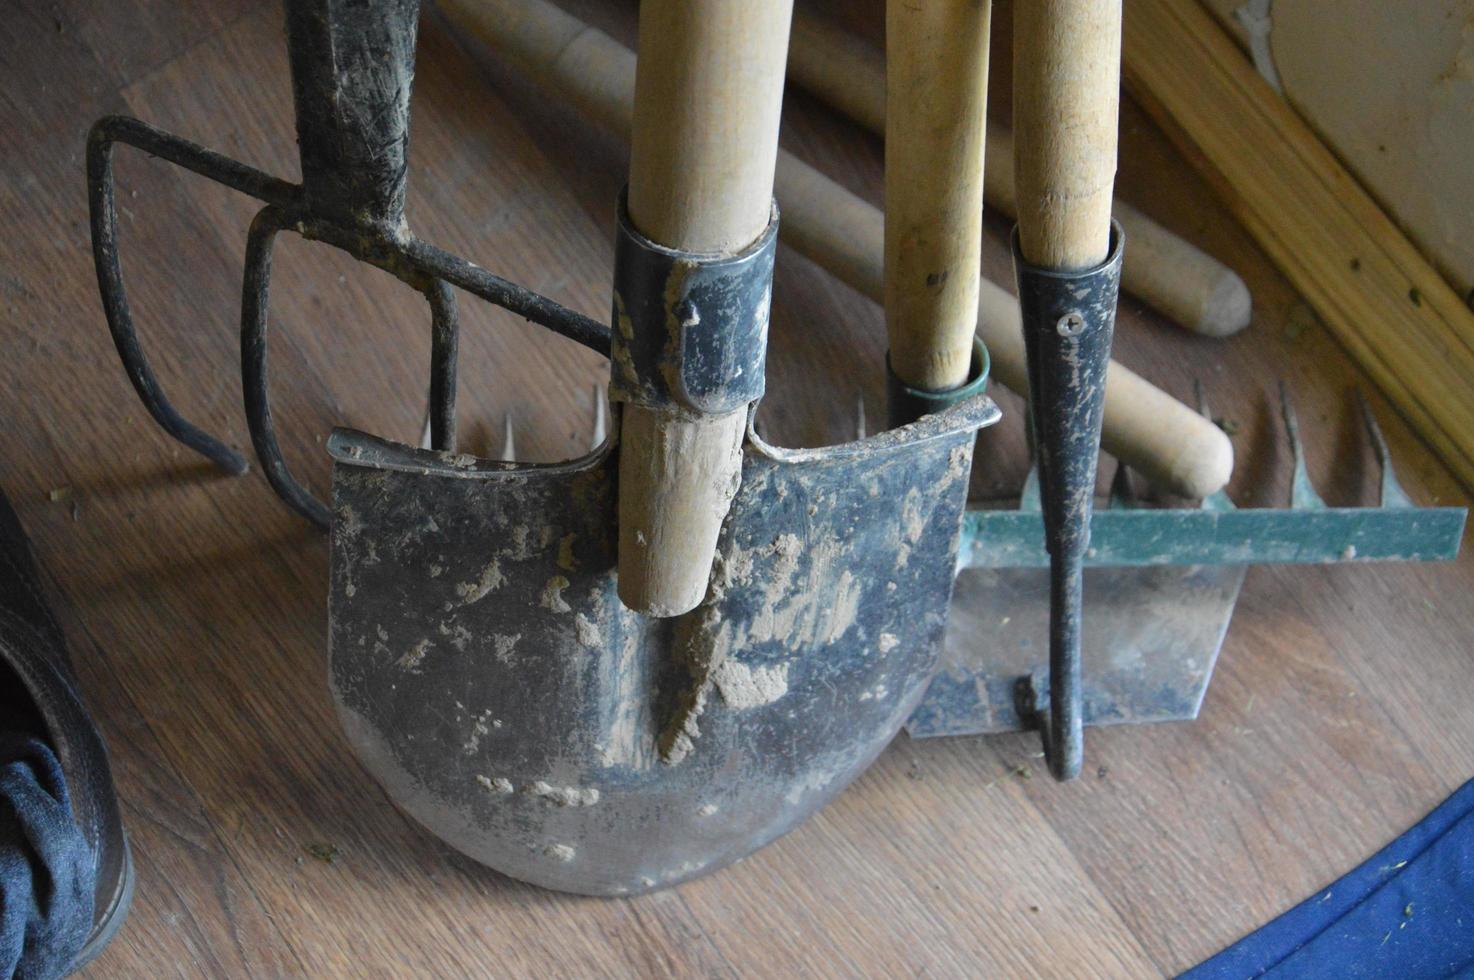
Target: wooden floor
{"x": 195, "y": 603}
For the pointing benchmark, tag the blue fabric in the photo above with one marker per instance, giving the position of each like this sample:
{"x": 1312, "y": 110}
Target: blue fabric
{"x": 1408, "y": 914}
{"x": 47, "y": 874}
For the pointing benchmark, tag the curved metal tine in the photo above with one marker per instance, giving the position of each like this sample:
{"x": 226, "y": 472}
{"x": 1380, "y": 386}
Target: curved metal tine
{"x": 254, "y": 289}
{"x": 1302, "y": 492}
{"x": 1123, "y": 489}
{"x": 440, "y": 264}
{"x": 444, "y": 346}
{"x": 509, "y": 441}
{"x": 601, "y": 418}
{"x": 1390, "y": 493}
{"x": 104, "y": 220}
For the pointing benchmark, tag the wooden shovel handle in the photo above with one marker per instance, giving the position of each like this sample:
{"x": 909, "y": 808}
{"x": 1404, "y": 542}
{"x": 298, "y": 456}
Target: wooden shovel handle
{"x": 1066, "y": 96}
{"x": 708, "y": 95}
{"x": 704, "y": 143}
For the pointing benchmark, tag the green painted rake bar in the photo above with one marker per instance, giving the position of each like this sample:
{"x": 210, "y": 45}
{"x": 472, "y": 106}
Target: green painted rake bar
{"x": 1217, "y": 533}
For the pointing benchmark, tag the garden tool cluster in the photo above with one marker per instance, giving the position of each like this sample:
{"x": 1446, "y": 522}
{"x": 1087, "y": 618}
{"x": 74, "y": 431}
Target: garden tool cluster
{"x": 619, "y": 672}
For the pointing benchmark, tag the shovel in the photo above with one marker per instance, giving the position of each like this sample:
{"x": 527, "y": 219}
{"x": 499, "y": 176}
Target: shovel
{"x": 488, "y": 674}
{"x": 482, "y": 662}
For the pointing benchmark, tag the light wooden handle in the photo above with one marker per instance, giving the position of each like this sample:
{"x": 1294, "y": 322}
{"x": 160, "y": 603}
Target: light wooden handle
{"x": 1168, "y": 443}
{"x": 708, "y": 95}
{"x": 936, "y": 99}
{"x": 1066, "y": 115}
{"x": 707, "y": 99}
{"x": 1173, "y": 275}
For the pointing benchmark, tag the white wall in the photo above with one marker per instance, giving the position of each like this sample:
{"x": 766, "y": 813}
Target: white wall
{"x": 1389, "y": 85}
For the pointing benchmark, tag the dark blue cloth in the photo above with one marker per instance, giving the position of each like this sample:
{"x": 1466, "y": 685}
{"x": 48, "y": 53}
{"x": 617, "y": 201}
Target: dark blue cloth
{"x": 46, "y": 867}
{"x": 1407, "y": 914}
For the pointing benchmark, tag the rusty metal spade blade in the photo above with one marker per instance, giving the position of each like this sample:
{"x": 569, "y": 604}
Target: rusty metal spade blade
{"x": 488, "y": 676}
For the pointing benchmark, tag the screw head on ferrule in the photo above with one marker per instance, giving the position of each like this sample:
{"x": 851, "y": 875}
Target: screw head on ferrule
{"x": 690, "y": 329}
{"x": 1072, "y": 324}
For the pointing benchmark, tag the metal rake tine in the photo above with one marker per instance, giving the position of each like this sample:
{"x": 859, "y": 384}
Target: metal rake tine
{"x": 1123, "y": 491}
{"x": 601, "y": 421}
{"x": 1201, "y": 397}
{"x": 859, "y": 417}
{"x": 1302, "y": 492}
{"x": 255, "y": 290}
{"x": 1390, "y": 493}
{"x": 509, "y": 440}
{"x": 1028, "y": 499}
{"x": 102, "y": 212}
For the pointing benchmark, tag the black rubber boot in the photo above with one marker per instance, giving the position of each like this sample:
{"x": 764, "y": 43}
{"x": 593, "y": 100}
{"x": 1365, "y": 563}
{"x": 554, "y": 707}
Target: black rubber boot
{"x": 46, "y": 704}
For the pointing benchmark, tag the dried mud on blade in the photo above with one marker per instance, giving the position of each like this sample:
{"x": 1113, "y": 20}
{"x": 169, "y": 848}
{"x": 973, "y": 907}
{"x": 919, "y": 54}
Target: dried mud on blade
{"x": 487, "y": 675}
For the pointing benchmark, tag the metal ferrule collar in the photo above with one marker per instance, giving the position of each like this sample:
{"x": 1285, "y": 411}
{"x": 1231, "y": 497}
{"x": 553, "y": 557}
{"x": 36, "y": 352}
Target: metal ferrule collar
{"x": 690, "y": 329}
{"x": 1068, "y": 321}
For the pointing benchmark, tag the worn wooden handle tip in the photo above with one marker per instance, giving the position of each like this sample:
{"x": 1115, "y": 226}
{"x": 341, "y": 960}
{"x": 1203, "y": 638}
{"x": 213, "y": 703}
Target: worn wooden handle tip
{"x": 676, "y": 484}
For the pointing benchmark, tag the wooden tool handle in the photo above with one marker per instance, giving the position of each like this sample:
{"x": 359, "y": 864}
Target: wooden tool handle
{"x": 1168, "y": 443}
{"x": 936, "y": 98}
{"x": 708, "y": 95}
{"x": 1066, "y": 96}
{"x": 1173, "y": 275}
{"x": 550, "y": 45}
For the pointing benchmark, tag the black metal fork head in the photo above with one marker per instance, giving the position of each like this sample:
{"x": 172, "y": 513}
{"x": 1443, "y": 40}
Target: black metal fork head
{"x": 352, "y": 74}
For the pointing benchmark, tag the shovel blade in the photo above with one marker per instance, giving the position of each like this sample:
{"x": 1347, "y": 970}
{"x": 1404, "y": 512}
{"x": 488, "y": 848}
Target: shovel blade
{"x": 487, "y": 675}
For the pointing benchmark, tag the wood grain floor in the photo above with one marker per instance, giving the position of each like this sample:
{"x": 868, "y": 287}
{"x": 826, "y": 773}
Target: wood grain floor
{"x": 195, "y": 603}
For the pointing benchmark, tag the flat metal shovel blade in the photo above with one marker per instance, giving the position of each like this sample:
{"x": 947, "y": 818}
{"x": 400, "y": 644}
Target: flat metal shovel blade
{"x": 488, "y": 676}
